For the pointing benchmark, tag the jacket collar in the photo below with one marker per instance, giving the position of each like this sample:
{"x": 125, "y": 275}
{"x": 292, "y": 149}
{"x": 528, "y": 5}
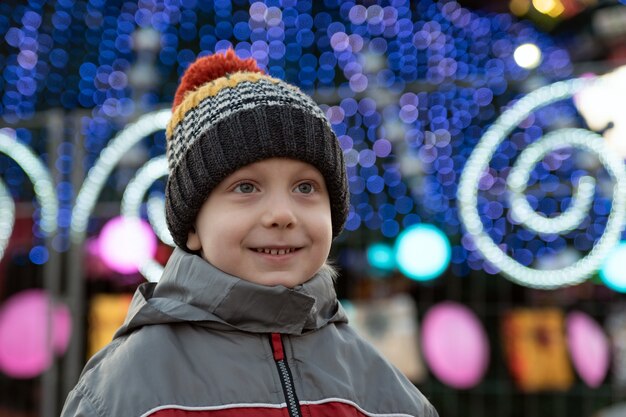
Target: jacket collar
{"x": 191, "y": 289}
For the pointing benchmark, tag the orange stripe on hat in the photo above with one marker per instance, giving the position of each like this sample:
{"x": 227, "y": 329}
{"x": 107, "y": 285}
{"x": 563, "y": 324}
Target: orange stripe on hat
{"x": 212, "y": 88}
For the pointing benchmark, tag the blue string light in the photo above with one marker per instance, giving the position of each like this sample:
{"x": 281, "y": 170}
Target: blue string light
{"x": 446, "y": 72}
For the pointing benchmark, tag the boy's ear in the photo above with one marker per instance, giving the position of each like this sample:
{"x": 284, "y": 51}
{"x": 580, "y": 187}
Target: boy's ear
{"x": 193, "y": 240}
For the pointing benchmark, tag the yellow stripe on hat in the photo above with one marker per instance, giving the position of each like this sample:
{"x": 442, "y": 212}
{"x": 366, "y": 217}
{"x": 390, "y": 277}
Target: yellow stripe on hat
{"x": 211, "y": 89}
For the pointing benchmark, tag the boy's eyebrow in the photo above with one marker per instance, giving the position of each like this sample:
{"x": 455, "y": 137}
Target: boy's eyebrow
{"x": 309, "y": 172}
{"x": 243, "y": 172}
{"x": 251, "y": 171}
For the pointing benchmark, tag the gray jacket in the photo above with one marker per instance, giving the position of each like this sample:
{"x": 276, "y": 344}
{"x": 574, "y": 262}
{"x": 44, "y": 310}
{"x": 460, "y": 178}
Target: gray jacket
{"x": 203, "y": 343}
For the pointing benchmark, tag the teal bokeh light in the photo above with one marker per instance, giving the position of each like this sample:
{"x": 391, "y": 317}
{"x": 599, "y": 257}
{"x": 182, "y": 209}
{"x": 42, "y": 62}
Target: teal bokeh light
{"x": 613, "y": 273}
{"x": 381, "y": 257}
{"x": 422, "y": 252}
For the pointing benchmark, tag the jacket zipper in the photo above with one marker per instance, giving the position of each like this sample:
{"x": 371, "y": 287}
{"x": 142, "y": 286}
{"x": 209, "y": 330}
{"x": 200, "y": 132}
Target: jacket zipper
{"x": 284, "y": 373}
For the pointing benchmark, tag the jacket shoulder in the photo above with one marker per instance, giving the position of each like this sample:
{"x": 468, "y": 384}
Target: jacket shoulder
{"x": 82, "y": 403}
{"x": 360, "y": 374}
{"x": 116, "y": 378}
{"x": 175, "y": 365}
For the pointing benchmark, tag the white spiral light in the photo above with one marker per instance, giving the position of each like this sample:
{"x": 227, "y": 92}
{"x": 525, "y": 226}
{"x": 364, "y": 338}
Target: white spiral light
{"x": 131, "y": 206}
{"x": 583, "y": 195}
{"x": 42, "y": 184}
{"x": 517, "y": 180}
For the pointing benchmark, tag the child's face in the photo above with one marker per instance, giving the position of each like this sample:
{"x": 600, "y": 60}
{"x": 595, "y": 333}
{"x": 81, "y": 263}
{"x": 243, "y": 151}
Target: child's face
{"x": 268, "y": 222}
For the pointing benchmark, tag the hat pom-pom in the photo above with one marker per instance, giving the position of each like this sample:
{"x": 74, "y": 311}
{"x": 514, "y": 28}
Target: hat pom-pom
{"x": 209, "y": 68}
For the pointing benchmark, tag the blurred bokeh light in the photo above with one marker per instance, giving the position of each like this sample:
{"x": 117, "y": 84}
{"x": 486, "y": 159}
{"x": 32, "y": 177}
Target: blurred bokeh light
{"x": 126, "y": 243}
{"x": 422, "y": 252}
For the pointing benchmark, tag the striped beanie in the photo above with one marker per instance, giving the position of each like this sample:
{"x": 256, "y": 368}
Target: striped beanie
{"x": 227, "y": 114}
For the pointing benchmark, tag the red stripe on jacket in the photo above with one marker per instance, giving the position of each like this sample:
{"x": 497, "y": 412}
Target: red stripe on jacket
{"x": 330, "y": 409}
{"x": 277, "y": 347}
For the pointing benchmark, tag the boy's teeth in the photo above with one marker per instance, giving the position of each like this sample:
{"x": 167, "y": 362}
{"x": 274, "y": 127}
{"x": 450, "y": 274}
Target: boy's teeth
{"x": 275, "y": 251}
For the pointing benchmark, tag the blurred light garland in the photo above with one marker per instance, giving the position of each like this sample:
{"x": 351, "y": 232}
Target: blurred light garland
{"x": 156, "y": 216}
{"x": 131, "y": 207}
{"x": 408, "y": 86}
{"x": 478, "y": 162}
{"x": 43, "y": 185}
{"x": 111, "y": 155}
{"x": 7, "y": 217}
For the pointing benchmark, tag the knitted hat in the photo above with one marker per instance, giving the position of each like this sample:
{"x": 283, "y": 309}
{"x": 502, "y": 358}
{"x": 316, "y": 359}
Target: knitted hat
{"x": 227, "y": 114}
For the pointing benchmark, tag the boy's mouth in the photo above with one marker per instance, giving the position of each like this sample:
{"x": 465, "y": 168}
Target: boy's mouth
{"x": 276, "y": 251}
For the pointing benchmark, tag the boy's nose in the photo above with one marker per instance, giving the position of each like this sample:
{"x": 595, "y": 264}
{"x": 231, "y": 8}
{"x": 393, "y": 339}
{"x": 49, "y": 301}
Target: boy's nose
{"x": 279, "y": 213}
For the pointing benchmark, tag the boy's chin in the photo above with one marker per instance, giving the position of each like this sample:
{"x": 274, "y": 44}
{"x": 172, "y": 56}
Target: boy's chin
{"x": 274, "y": 279}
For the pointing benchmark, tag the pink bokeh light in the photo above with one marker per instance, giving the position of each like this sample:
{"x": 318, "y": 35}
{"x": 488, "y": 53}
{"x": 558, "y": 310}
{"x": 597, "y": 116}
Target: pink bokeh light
{"x": 32, "y": 330}
{"x": 589, "y": 348}
{"x": 125, "y": 244}
{"x": 455, "y": 345}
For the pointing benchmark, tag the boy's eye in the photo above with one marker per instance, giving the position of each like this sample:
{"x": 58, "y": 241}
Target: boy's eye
{"x": 245, "y": 188}
{"x": 305, "y": 188}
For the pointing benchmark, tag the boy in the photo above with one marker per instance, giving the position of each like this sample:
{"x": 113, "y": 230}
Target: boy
{"x": 245, "y": 320}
